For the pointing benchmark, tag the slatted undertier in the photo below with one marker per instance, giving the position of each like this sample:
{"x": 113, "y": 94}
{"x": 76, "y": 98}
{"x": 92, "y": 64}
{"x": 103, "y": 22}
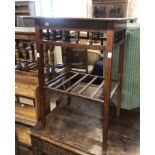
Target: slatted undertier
{"x": 85, "y": 86}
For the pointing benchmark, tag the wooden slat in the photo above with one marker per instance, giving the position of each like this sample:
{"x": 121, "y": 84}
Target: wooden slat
{"x": 97, "y": 89}
{"x": 67, "y": 80}
{"x": 49, "y": 83}
{"x": 76, "y": 95}
{"x": 87, "y": 85}
{"x": 77, "y": 82}
{"x": 114, "y": 90}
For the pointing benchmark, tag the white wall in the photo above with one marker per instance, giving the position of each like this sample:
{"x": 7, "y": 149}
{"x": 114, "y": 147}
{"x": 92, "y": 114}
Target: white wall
{"x": 70, "y": 8}
{"x": 64, "y": 8}
{"x": 89, "y": 8}
{"x": 37, "y": 7}
{"x": 46, "y": 9}
{"x": 133, "y": 8}
{"x": 76, "y": 8}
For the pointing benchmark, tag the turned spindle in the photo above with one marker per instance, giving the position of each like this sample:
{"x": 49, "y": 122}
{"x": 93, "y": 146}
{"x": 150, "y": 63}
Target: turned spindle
{"x": 65, "y": 36}
{"x": 33, "y": 52}
{"x": 46, "y": 60}
{"x": 90, "y": 38}
{"x": 24, "y": 52}
{"x": 77, "y": 34}
{"x": 17, "y": 57}
{"x": 53, "y": 72}
{"x": 52, "y": 35}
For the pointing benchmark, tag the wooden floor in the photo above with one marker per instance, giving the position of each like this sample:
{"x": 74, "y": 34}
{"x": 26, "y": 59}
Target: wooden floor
{"x": 79, "y": 126}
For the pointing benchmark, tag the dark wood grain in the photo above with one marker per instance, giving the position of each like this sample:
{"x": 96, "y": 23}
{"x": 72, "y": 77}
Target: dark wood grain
{"x": 77, "y": 82}
{"x": 77, "y": 129}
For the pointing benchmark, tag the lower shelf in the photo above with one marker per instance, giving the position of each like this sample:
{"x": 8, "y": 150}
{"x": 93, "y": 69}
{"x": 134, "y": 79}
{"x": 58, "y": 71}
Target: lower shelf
{"x": 81, "y": 85}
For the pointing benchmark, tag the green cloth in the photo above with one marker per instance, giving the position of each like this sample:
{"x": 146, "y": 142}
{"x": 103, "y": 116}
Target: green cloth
{"x": 131, "y": 69}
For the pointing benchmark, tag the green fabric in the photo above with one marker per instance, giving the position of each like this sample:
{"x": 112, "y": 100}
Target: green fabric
{"x": 131, "y": 69}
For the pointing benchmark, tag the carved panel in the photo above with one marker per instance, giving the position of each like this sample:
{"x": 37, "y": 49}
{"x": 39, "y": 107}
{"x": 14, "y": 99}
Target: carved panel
{"x": 41, "y": 147}
{"x": 36, "y": 146}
